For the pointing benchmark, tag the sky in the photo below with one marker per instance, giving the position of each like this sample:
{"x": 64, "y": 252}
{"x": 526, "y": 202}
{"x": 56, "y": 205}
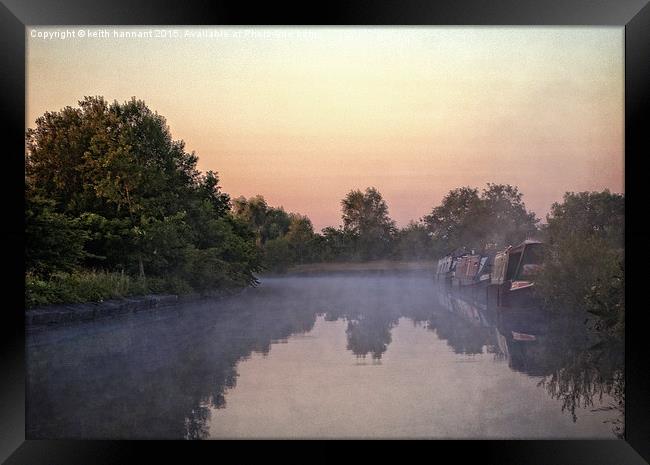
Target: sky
{"x": 304, "y": 115}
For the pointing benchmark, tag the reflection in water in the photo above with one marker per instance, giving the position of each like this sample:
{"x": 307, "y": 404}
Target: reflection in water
{"x": 369, "y": 334}
{"x": 174, "y": 374}
{"x": 576, "y": 366}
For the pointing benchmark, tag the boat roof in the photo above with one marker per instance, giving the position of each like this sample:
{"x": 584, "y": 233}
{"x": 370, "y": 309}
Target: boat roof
{"x": 520, "y": 247}
{"x": 531, "y": 241}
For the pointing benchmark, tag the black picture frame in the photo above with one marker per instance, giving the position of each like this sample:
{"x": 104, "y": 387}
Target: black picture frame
{"x": 15, "y": 15}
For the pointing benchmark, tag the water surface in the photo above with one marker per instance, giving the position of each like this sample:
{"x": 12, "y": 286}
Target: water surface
{"x": 377, "y": 356}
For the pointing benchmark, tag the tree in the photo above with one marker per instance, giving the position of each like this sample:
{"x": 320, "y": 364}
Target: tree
{"x": 466, "y": 220}
{"x": 334, "y": 244}
{"x": 112, "y": 175}
{"x": 585, "y": 255}
{"x": 277, "y": 254}
{"x": 300, "y": 236}
{"x": 117, "y": 160}
{"x": 452, "y": 223}
{"x": 588, "y": 214}
{"x": 277, "y": 223}
{"x": 210, "y": 190}
{"x": 365, "y": 216}
{"x": 506, "y": 219}
{"x": 582, "y": 283}
{"x": 413, "y": 242}
{"x": 54, "y": 241}
{"x": 254, "y": 212}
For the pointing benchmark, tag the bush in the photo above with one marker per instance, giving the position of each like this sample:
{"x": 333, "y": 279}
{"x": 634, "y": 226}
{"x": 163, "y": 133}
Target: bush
{"x": 573, "y": 269}
{"x": 80, "y": 286}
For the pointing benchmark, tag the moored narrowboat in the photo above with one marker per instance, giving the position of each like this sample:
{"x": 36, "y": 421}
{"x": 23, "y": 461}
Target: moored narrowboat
{"x": 446, "y": 268}
{"x": 472, "y": 275}
{"x": 513, "y": 275}
{"x": 466, "y": 270}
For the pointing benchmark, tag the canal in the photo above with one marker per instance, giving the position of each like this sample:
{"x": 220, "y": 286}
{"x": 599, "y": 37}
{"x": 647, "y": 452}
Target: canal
{"x": 324, "y": 356}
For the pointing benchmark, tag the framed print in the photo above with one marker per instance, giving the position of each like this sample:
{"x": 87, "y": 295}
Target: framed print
{"x": 379, "y": 222}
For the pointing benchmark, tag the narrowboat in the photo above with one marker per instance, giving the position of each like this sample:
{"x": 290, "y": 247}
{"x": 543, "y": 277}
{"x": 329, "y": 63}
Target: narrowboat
{"x": 513, "y": 275}
{"x": 473, "y": 274}
{"x": 445, "y": 270}
{"x": 466, "y": 270}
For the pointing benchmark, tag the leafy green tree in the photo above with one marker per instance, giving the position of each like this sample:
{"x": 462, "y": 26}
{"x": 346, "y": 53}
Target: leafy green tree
{"x": 277, "y": 254}
{"x": 54, "y": 241}
{"x": 111, "y": 242}
{"x": 285, "y": 238}
{"x": 253, "y": 211}
{"x": 133, "y": 196}
{"x": 453, "y": 223}
{"x": 588, "y": 214}
{"x": 505, "y": 218}
{"x": 210, "y": 190}
{"x": 583, "y": 270}
{"x": 583, "y": 285}
{"x": 276, "y": 224}
{"x": 494, "y": 219}
{"x": 334, "y": 244}
{"x": 413, "y": 242}
{"x": 57, "y": 153}
{"x": 300, "y": 236}
{"x": 365, "y": 216}
{"x": 117, "y": 160}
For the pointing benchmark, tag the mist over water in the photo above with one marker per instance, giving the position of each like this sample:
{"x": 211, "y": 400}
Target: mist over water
{"x": 330, "y": 355}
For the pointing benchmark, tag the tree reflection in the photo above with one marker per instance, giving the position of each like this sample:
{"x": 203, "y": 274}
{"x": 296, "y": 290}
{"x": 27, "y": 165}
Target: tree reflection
{"x": 118, "y": 380}
{"x": 196, "y": 423}
{"x": 586, "y": 368}
{"x": 462, "y": 324}
{"x": 370, "y": 335}
{"x": 577, "y": 364}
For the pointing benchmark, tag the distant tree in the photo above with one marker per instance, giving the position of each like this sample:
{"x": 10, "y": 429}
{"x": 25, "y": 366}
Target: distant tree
{"x": 285, "y": 238}
{"x": 253, "y": 211}
{"x": 277, "y": 254}
{"x": 365, "y": 216}
{"x": 466, "y": 220}
{"x": 334, "y": 244}
{"x": 277, "y": 223}
{"x": 300, "y": 236}
{"x": 453, "y": 223}
{"x": 413, "y": 242}
{"x": 505, "y": 218}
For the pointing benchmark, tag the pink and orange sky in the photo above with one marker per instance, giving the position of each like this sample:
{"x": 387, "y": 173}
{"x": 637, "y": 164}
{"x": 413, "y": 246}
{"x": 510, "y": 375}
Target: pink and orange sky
{"x": 303, "y": 115}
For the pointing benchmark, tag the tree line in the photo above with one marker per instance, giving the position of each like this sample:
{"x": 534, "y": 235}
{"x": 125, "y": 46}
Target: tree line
{"x": 466, "y": 219}
{"x": 115, "y": 206}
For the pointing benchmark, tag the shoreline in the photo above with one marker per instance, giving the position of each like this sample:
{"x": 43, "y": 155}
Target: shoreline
{"x": 73, "y": 313}
{"x": 374, "y": 265}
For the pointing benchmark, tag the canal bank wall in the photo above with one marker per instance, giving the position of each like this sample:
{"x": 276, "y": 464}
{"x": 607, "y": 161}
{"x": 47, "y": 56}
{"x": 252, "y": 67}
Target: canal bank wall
{"x": 61, "y": 314}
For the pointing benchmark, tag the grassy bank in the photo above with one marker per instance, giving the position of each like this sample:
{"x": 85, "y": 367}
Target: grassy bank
{"x": 93, "y": 286}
